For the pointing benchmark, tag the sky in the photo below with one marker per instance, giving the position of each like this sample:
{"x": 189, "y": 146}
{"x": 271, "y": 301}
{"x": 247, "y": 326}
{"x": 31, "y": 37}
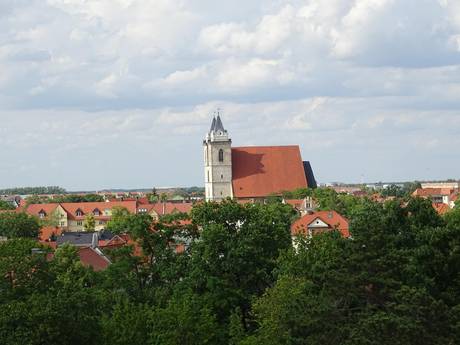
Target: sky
{"x": 119, "y": 93}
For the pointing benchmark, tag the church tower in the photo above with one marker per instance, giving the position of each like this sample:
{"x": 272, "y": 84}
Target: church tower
{"x": 217, "y": 147}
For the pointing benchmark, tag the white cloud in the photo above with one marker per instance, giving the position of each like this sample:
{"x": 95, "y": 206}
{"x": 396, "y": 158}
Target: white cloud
{"x": 142, "y": 78}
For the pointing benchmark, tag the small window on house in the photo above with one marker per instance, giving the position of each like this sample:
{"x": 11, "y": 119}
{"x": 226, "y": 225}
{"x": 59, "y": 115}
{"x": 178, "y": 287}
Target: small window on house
{"x": 221, "y": 155}
{"x": 42, "y": 214}
{"x": 221, "y": 193}
{"x": 80, "y": 223}
{"x": 79, "y": 213}
{"x": 62, "y": 223}
{"x": 221, "y": 177}
{"x": 96, "y": 212}
{"x": 101, "y": 222}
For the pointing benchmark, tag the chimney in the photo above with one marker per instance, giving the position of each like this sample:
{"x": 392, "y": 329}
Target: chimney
{"x": 95, "y": 241}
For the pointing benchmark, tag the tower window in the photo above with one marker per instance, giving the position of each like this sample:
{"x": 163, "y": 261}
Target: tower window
{"x": 221, "y": 177}
{"x": 221, "y": 155}
{"x": 208, "y": 177}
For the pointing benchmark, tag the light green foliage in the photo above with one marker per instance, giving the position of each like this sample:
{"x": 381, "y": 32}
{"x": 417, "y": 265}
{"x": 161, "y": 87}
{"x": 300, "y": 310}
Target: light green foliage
{"x": 89, "y": 223}
{"x": 117, "y": 223}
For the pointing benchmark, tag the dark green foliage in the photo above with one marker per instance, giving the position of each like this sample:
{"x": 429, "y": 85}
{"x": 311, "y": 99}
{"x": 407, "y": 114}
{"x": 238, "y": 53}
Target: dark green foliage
{"x": 395, "y": 282}
{"x": 33, "y": 190}
{"x": 238, "y": 280}
{"x": 16, "y": 225}
{"x": 37, "y": 199}
{"x": 400, "y": 192}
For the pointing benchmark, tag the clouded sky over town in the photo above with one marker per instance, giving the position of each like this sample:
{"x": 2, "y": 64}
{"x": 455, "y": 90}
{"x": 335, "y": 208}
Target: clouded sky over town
{"x": 119, "y": 93}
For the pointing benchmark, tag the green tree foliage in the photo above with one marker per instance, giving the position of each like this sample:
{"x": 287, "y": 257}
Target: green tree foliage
{"x": 38, "y": 199}
{"x": 117, "y": 223}
{"x": 4, "y": 205}
{"x": 228, "y": 274}
{"x": 404, "y": 191}
{"x": 33, "y": 190}
{"x": 16, "y": 225}
{"x": 395, "y": 282}
{"x": 234, "y": 259}
{"x": 89, "y": 224}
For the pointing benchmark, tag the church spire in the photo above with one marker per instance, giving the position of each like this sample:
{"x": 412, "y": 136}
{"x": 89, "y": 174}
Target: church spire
{"x": 219, "y": 126}
{"x": 213, "y": 124}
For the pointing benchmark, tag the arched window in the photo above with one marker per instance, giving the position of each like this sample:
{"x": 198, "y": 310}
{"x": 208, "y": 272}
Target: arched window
{"x": 221, "y": 155}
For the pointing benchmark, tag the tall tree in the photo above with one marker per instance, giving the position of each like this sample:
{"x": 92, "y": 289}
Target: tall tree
{"x": 17, "y": 225}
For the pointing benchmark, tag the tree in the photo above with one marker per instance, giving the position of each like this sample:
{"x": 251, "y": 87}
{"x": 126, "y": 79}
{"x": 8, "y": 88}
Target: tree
{"x": 23, "y": 269}
{"x": 4, "y": 205}
{"x": 117, "y": 223}
{"x": 234, "y": 258}
{"x": 382, "y": 287}
{"x": 17, "y": 225}
{"x": 89, "y": 223}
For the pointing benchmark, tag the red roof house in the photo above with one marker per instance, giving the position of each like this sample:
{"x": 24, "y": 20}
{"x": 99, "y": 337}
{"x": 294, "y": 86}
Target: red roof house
{"x": 320, "y": 221}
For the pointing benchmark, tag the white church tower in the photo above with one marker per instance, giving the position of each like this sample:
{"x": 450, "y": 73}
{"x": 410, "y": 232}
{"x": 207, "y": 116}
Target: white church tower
{"x": 217, "y": 147}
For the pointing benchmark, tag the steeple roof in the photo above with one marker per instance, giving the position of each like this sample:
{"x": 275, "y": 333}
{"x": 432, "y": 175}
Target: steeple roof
{"x": 219, "y": 126}
{"x": 213, "y": 124}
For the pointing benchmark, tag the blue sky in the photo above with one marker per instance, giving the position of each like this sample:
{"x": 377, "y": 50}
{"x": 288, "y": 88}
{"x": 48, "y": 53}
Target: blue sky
{"x": 119, "y": 93}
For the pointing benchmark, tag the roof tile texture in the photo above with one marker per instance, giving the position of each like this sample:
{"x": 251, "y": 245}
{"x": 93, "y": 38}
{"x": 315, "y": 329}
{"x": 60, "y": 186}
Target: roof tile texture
{"x": 259, "y": 171}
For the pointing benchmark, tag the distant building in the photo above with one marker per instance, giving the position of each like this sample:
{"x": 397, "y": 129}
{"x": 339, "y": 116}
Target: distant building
{"x": 252, "y": 173}
{"x": 71, "y": 216}
{"x": 319, "y": 222}
{"x": 448, "y": 185}
{"x": 13, "y": 200}
{"x": 438, "y": 195}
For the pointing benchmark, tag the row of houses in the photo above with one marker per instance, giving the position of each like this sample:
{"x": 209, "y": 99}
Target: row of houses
{"x": 71, "y": 216}
{"x": 92, "y": 244}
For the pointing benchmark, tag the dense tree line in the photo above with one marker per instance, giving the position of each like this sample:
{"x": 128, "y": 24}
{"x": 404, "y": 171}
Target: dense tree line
{"x": 239, "y": 280}
{"x": 33, "y": 190}
{"x": 37, "y": 199}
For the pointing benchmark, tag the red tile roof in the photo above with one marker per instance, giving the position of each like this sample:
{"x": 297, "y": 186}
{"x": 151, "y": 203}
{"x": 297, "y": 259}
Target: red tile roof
{"x": 441, "y": 208}
{"x": 88, "y": 207}
{"x": 331, "y": 218}
{"x": 47, "y": 231}
{"x": 432, "y": 191}
{"x": 167, "y": 207}
{"x": 259, "y": 171}
{"x": 91, "y": 257}
{"x": 35, "y": 209}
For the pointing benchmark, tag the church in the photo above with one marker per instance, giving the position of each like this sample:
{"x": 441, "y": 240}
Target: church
{"x": 250, "y": 173}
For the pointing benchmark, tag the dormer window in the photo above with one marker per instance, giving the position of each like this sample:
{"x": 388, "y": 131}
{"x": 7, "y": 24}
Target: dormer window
{"x": 221, "y": 155}
{"x": 42, "y": 214}
{"x": 79, "y": 213}
{"x": 96, "y": 212}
